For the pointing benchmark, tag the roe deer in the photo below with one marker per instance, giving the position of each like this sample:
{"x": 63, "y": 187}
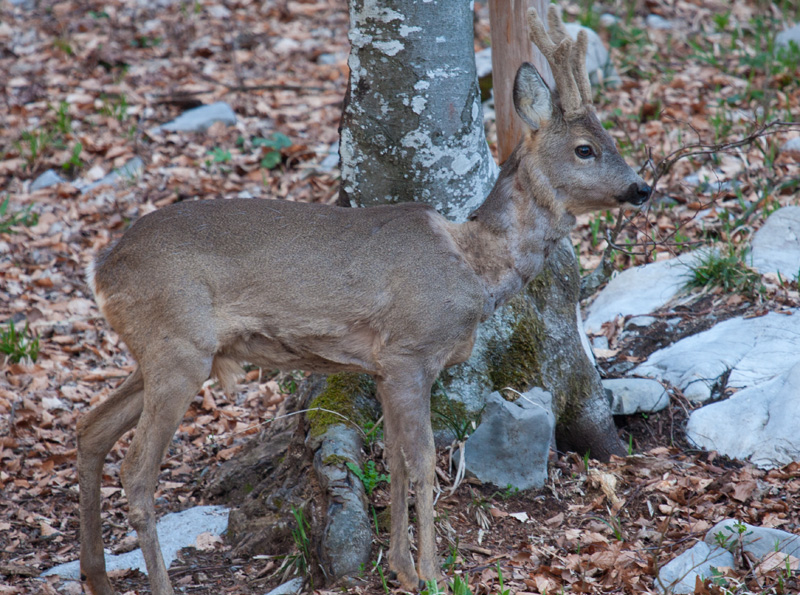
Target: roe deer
{"x": 396, "y": 292}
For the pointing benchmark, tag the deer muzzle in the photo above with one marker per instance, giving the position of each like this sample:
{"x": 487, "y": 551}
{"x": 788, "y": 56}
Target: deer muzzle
{"x": 636, "y": 194}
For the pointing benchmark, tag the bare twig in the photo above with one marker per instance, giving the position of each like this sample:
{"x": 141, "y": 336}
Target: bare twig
{"x": 603, "y": 270}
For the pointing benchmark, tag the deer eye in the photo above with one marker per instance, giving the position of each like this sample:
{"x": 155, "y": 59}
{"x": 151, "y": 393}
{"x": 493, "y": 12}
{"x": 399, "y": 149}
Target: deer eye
{"x": 584, "y": 151}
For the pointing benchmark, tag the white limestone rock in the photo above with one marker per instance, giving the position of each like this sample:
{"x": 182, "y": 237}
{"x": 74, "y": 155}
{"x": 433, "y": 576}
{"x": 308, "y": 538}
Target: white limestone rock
{"x": 761, "y": 542}
{"x": 175, "y": 531}
{"x": 752, "y": 351}
{"x": 47, "y": 179}
{"x": 776, "y": 246}
{"x": 636, "y": 395}
{"x": 200, "y": 118}
{"x": 640, "y": 290}
{"x": 678, "y": 576}
{"x": 758, "y": 423}
{"x": 129, "y": 171}
{"x": 292, "y": 587}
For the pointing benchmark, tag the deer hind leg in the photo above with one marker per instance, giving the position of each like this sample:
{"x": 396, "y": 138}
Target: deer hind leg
{"x": 170, "y": 386}
{"x": 412, "y": 457}
{"x": 98, "y": 431}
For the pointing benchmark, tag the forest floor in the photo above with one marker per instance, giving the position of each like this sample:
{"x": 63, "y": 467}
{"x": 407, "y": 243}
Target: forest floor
{"x": 87, "y": 81}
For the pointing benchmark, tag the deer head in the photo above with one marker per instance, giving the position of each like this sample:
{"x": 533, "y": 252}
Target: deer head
{"x": 569, "y": 152}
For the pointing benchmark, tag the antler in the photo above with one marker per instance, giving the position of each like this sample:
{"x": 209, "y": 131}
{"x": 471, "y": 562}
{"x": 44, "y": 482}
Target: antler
{"x": 567, "y": 59}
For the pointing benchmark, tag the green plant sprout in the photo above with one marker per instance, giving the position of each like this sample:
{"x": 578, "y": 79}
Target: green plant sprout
{"x": 369, "y": 476}
{"x": 74, "y": 162}
{"x": 272, "y": 146}
{"x": 16, "y": 345}
{"x": 22, "y": 217}
{"x": 726, "y": 270}
{"x": 300, "y": 561}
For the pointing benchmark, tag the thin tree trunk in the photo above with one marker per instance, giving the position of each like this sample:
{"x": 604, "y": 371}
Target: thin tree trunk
{"x": 510, "y": 48}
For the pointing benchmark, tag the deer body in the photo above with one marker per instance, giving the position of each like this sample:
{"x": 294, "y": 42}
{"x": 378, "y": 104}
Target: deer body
{"x": 336, "y": 288}
{"x": 396, "y": 292}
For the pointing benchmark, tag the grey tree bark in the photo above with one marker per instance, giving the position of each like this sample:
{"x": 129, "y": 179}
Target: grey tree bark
{"x": 412, "y": 126}
{"x": 412, "y": 130}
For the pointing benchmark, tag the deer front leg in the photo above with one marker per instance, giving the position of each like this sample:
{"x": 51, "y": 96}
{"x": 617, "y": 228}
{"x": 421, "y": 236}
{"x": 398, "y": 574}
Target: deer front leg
{"x": 411, "y": 454}
{"x": 400, "y": 560}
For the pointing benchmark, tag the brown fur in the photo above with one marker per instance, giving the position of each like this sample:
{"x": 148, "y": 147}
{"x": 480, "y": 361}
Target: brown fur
{"x": 396, "y": 292}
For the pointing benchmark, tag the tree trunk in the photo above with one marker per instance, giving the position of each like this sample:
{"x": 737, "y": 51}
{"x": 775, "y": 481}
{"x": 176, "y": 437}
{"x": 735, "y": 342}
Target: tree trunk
{"x": 412, "y": 124}
{"x": 510, "y": 48}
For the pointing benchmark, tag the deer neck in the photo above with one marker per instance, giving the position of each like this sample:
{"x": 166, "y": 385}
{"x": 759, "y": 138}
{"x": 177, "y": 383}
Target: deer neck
{"x": 509, "y": 237}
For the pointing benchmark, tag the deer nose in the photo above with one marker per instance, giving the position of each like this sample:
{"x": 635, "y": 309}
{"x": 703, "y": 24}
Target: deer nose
{"x": 642, "y": 194}
{"x": 636, "y": 194}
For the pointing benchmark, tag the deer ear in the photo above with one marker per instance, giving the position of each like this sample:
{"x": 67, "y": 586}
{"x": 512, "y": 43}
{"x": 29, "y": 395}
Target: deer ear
{"x": 532, "y": 97}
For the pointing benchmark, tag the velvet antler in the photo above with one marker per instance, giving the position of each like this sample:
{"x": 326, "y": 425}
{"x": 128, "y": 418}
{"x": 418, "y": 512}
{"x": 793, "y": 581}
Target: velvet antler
{"x": 567, "y": 59}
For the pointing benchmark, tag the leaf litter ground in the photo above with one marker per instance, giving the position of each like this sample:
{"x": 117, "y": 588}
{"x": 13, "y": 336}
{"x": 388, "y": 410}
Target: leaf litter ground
{"x": 87, "y": 82}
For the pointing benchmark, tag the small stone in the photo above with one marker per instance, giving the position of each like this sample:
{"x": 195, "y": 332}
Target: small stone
{"x": 512, "y": 443}
{"x": 218, "y": 11}
{"x": 679, "y": 575}
{"x": 47, "y": 179}
{"x": 636, "y": 395}
{"x": 130, "y": 170}
{"x": 608, "y": 20}
{"x": 791, "y": 34}
{"x": 330, "y": 59}
{"x": 640, "y": 322}
{"x": 791, "y": 146}
{"x": 291, "y": 588}
{"x": 201, "y": 118}
{"x": 655, "y": 21}
{"x": 285, "y": 46}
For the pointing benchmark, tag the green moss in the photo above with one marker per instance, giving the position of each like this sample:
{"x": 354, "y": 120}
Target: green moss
{"x": 579, "y": 388}
{"x": 515, "y": 363}
{"x": 341, "y": 395}
{"x": 335, "y": 460}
